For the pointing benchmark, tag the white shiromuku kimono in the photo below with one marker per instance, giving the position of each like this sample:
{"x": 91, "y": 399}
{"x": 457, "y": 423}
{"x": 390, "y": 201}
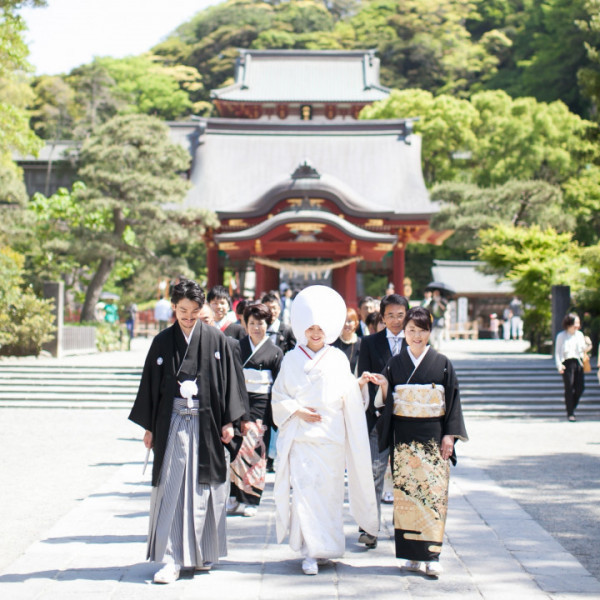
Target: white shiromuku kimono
{"x": 311, "y": 457}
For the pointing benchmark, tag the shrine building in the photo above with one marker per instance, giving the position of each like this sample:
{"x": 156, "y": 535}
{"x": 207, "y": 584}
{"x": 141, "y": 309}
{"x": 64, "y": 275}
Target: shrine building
{"x": 299, "y": 184}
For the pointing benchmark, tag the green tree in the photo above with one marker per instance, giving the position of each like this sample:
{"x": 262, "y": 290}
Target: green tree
{"x": 15, "y": 134}
{"x": 132, "y": 173}
{"x": 534, "y": 259}
{"x": 467, "y": 209}
{"x": 446, "y": 124}
{"x": 26, "y": 322}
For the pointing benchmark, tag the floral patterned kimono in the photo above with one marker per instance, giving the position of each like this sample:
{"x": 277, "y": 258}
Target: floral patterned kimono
{"x": 422, "y": 406}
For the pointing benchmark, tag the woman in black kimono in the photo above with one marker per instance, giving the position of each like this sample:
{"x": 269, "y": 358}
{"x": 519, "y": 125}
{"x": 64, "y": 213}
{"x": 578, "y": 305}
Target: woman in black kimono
{"x": 261, "y": 360}
{"x": 349, "y": 342}
{"x": 421, "y": 421}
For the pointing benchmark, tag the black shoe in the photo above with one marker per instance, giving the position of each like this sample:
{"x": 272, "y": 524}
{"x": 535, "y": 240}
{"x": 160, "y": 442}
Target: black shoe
{"x": 370, "y": 541}
{"x": 572, "y": 418}
{"x": 270, "y": 468}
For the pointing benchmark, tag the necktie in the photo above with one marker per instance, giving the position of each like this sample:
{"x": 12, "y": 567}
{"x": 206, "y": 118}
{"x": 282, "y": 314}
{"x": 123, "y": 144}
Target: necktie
{"x": 395, "y": 345}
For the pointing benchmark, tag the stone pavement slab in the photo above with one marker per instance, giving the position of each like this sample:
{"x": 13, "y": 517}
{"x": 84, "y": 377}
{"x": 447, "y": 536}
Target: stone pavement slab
{"x": 493, "y": 550}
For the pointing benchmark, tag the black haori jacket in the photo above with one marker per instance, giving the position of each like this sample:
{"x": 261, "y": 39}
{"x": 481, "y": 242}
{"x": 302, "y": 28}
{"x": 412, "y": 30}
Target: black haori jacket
{"x": 210, "y": 363}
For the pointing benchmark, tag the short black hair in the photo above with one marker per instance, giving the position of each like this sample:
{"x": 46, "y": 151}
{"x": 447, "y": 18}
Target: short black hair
{"x": 365, "y": 300}
{"x": 269, "y": 297}
{"x": 373, "y": 319}
{"x": 186, "y": 288}
{"x": 569, "y": 320}
{"x": 218, "y": 292}
{"x": 259, "y": 311}
{"x": 241, "y": 306}
{"x": 420, "y": 316}
{"x": 392, "y": 299}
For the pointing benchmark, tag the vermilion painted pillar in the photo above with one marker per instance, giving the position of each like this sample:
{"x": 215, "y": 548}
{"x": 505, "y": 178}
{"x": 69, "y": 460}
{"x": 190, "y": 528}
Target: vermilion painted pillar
{"x": 259, "y": 287}
{"x": 271, "y": 281}
{"x": 338, "y": 281}
{"x": 350, "y": 285}
{"x": 212, "y": 264}
{"x": 398, "y": 268}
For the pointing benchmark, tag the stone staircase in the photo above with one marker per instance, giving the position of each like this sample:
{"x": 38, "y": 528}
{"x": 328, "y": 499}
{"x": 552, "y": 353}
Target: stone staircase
{"x": 54, "y": 386}
{"x": 520, "y": 387}
{"x": 490, "y": 387}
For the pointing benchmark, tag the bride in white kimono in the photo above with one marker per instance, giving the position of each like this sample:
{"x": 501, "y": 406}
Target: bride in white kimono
{"x": 319, "y": 409}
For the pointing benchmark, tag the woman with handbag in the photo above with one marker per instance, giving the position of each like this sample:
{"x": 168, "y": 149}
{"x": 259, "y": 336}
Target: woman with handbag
{"x": 421, "y": 421}
{"x": 569, "y": 354}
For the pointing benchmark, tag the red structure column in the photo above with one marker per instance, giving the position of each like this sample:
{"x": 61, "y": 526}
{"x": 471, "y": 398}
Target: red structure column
{"x": 212, "y": 265}
{"x": 398, "y": 268}
{"x": 259, "y": 286}
{"x": 350, "y": 285}
{"x": 271, "y": 281}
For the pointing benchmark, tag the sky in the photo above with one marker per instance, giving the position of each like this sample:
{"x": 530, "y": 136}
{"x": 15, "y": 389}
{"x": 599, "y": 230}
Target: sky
{"x": 69, "y": 33}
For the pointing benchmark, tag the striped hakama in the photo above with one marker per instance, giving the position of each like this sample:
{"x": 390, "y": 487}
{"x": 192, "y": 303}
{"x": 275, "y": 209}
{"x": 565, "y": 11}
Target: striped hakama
{"x": 187, "y": 518}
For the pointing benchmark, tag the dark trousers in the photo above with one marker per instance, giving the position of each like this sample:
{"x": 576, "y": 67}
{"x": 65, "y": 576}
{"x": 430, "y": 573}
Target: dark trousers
{"x": 574, "y": 385}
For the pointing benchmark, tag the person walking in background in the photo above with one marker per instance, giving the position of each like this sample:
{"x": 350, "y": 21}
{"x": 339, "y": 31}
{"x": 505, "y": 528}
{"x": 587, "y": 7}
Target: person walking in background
{"x": 422, "y": 419}
{"x": 494, "y": 326}
{"x": 163, "y": 313}
{"x": 506, "y": 317}
{"x": 131, "y": 317}
{"x": 261, "y": 360}
{"x": 188, "y": 403}
{"x": 437, "y": 307}
{"x": 516, "y": 319}
{"x": 569, "y": 350}
{"x": 375, "y": 351}
{"x": 319, "y": 409}
{"x": 349, "y": 342}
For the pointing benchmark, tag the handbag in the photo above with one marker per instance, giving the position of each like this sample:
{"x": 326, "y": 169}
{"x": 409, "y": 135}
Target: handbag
{"x": 587, "y": 366}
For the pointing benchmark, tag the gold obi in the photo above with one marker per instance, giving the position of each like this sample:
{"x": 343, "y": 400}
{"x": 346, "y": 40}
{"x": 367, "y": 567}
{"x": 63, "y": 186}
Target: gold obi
{"x": 419, "y": 401}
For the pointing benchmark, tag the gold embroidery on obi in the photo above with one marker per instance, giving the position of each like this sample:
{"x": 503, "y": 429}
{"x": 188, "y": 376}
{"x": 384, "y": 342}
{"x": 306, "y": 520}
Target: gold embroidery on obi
{"x": 419, "y": 401}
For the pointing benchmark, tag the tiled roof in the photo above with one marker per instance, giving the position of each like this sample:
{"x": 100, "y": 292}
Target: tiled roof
{"x": 305, "y": 76}
{"x": 466, "y": 278}
{"x": 371, "y": 164}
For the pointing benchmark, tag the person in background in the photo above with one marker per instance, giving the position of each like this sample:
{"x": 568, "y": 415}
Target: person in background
{"x": 163, "y": 313}
{"x": 188, "y": 402}
{"x": 366, "y": 306}
{"x": 240, "y": 307}
{"x": 421, "y": 421}
{"x": 568, "y": 354}
{"x": 225, "y": 319}
{"x": 516, "y": 320}
{"x": 280, "y": 333}
{"x": 506, "y": 317}
{"x": 130, "y": 322}
{"x": 318, "y": 407}
{"x": 494, "y": 325}
{"x": 349, "y": 342}
{"x": 261, "y": 360}
{"x": 437, "y": 307}
{"x": 286, "y": 305}
{"x": 374, "y": 322}
{"x": 375, "y": 352}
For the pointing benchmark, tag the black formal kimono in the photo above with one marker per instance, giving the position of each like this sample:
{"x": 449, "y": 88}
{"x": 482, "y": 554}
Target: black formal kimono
{"x": 350, "y": 349}
{"x": 187, "y": 513}
{"x": 248, "y": 470}
{"x": 416, "y": 416}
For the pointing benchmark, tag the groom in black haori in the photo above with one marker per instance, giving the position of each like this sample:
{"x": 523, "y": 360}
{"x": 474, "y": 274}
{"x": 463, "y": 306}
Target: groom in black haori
{"x": 189, "y": 402}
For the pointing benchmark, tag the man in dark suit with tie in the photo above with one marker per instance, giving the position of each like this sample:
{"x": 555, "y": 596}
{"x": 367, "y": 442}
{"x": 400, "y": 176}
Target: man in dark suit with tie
{"x": 279, "y": 333}
{"x": 375, "y": 351}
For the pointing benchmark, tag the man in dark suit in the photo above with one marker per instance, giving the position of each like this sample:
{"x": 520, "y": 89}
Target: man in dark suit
{"x": 279, "y": 333}
{"x": 375, "y": 351}
{"x": 219, "y": 300}
{"x": 366, "y": 306}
